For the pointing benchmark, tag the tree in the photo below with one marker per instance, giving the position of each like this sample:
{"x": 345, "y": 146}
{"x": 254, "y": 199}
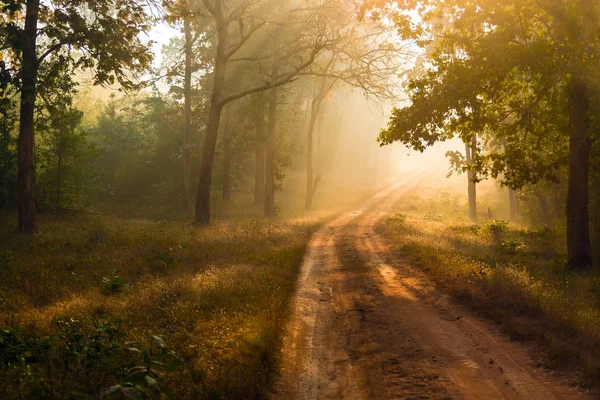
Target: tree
{"x": 522, "y": 72}
{"x": 187, "y": 11}
{"x": 320, "y": 92}
{"x": 366, "y": 57}
{"x": 259, "y": 156}
{"x": 63, "y": 155}
{"x": 8, "y": 119}
{"x": 99, "y": 35}
{"x": 251, "y": 17}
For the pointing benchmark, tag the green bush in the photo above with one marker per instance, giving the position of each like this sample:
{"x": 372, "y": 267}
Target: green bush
{"x": 497, "y": 226}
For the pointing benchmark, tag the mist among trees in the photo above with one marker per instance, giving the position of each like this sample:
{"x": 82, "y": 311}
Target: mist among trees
{"x": 169, "y": 168}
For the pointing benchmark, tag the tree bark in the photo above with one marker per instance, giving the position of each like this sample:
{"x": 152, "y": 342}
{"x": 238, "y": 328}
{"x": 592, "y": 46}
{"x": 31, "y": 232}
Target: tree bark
{"x": 259, "y": 160}
{"x": 596, "y": 225}
{"x": 310, "y": 192}
{"x": 29, "y": 72}
{"x": 271, "y": 126}
{"x": 580, "y": 143}
{"x": 4, "y": 160}
{"x": 259, "y": 174}
{"x": 472, "y": 189}
{"x": 214, "y": 120}
{"x": 513, "y": 204}
{"x": 544, "y": 212}
{"x": 270, "y": 153}
{"x": 59, "y": 165}
{"x": 227, "y": 167}
{"x": 187, "y": 116}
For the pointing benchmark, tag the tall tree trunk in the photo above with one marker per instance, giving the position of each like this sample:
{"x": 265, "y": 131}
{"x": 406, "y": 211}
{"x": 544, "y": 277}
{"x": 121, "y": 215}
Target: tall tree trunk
{"x": 271, "y": 126}
{"x": 29, "y": 72}
{"x": 227, "y": 167}
{"x": 578, "y": 239}
{"x": 259, "y": 174}
{"x": 513, "y": 199}
{"x": 4, "y": 161}
{"x": 270, "y": 152}
{"x": 59, "y": 163}
{"x": 513, "y": 204}
{"x": 259, "y": 159}
{"x": 469, "y": 152}
{"x": 544, "y": 212}
{"x": 214, "y": 120}
{"x": 310, "y": 183}
{"x": 596, "y": 225}
{"x": 187, "y": 115}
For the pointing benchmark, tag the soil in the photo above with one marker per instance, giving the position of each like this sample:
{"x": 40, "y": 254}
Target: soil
{"x": 367, "y": 325}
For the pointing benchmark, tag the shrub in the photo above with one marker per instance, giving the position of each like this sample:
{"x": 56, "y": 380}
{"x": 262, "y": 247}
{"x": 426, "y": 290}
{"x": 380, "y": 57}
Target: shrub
{"x": 114, "y": 284}
{"x": 511, "y": 246}
{"x": 497, "y": 226}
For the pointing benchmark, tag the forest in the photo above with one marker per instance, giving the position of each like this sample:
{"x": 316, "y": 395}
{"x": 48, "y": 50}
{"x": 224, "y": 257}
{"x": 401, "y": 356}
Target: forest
{"x": 299, "y": 199}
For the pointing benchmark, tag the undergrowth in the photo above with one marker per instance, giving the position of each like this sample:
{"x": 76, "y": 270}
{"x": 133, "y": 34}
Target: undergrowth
{"x": 96, "y": 306}
{"x": 514, "y": 275}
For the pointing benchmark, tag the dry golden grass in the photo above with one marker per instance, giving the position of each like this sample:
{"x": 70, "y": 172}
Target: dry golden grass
{"x": 514, "y": 275}
{"x": 75, "y": 296}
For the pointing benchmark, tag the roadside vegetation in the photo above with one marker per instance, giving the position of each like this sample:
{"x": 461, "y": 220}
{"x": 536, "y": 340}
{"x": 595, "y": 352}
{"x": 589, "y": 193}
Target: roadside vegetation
{"x": 512, "y": 272}
{"x": 91, "y": 302}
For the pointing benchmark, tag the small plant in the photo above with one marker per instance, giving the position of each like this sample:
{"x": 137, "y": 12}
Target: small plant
{"x": 114, "y": 284}
{"x": 143, "y": 380}
{"x": 482, "y": 274}
{"x": 19, "y": 349}
{"x": 164, "y": 257}
{"x": 473, "y": 229}
{"x": 433, "y": 217}
{"x": 511, "y": 246}
{"x": 497, "y": 226}
{"x": 6, "y": 260}
{"x": 398, "y": 219}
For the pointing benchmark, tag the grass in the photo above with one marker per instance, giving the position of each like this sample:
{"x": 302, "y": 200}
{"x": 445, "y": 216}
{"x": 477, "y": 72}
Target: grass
{"x": 507, "y": 272}
{"x": 96, "y": 304}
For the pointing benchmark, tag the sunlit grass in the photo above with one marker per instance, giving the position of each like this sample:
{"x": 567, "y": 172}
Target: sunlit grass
{"x": 513, "y": 274}
{"x": 218, "y": 296}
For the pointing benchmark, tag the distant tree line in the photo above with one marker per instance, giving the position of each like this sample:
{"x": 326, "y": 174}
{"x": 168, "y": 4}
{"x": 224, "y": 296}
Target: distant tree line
{"x": 244, "y": 80}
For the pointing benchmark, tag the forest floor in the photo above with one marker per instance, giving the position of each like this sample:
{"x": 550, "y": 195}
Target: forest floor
{"x": 388, "y": 307}
{"x": 92, "y": 302}
{"x": 100, "y": 304}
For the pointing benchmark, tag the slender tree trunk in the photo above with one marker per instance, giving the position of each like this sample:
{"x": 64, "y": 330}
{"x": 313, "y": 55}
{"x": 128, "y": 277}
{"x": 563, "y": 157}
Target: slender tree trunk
{"x": 596, "y": 225}
{"x": 513, "y": 204}
{"x": 259, "y": 160}
{"x": 319, "y": 150}
{"x": 214, "y": 120}
{"x": 187, "y": 116}
{"x": 310, "y": 192}
{"x": 259, "y": 174}
{"x": 578, "y": 239}
{"x": 270, "y": 153}
{"x": 29, "y": 72}
{"x": 513, "y": 199}
{"x": 227, "y": 168}
{"x": 59, "y": 163}
{"x": 271, "y": 126}
{"x": 469, "y": 150}
{"x": 544, "y": 212}
{"x": 4, "y": 163}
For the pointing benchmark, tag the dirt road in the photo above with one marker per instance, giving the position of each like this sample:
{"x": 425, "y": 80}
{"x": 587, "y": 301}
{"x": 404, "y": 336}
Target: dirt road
{"x": 366, "y": 325}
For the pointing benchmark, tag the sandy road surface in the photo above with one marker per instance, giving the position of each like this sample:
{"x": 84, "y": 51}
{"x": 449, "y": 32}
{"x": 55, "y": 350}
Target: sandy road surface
{"x": 366, "y": 325}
